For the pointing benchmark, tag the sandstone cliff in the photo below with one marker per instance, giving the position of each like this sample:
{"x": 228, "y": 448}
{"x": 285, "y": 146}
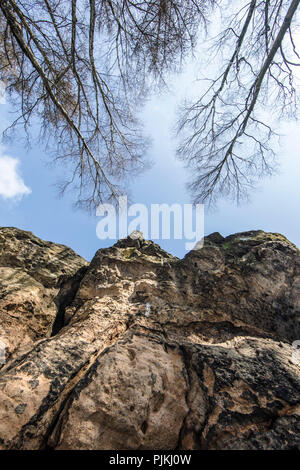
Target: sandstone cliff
{"x": 141, "y": 350}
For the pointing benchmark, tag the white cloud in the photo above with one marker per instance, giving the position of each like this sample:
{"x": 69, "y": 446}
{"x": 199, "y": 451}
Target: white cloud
{"x": 11, "y": 183}
{"x": 2, "y": 92}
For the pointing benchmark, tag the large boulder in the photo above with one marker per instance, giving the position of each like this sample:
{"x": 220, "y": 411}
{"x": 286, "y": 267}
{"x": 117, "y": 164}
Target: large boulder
{"x": 153, "y": 352}
{"x": 36, "y": 280}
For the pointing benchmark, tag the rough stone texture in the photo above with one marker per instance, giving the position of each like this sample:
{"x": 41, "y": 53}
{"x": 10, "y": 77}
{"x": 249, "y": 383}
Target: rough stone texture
{"x": 36, "y": 278}
{"x": 207, "y": 365}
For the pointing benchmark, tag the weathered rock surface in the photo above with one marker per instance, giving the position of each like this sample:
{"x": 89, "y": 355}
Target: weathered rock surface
{"x": 141, "y": 350}
{"x": 37, "y": 279}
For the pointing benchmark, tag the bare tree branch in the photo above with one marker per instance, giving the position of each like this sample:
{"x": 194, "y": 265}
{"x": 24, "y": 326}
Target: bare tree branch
{"x": 83, "y": 67}
{"x": 228, "y": 143}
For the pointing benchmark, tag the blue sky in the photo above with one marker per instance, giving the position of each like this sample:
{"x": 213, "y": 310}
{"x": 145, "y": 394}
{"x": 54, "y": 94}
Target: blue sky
{"x": 29, "y": 199}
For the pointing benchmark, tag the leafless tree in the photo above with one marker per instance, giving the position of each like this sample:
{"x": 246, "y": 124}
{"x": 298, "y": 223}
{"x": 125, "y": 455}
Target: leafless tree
{"x": 227, "y": 133}
{"x": 80, "y": 68}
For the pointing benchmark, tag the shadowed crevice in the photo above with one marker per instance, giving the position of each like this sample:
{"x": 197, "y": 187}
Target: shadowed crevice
{"x": 65, "y": 297}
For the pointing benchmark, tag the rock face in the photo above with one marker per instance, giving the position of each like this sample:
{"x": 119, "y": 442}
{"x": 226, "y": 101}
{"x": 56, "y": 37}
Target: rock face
{"x": 141, "y": 350}
{"x": 37, "y": 279}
